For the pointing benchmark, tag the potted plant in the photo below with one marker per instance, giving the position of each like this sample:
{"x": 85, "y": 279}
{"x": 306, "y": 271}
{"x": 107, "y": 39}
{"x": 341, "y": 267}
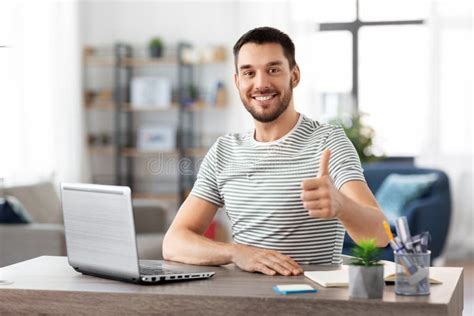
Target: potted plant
{"x": 361, "y": 136}
{"x": 366, "y": 271}
{"x": 156, "y": 47}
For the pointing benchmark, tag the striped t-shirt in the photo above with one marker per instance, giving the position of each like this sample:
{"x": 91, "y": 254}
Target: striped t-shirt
{"x": 260, "y": 185}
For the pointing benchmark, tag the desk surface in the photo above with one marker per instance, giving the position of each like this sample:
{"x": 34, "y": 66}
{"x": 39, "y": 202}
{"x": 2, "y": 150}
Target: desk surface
{"x": 49, "y": 285}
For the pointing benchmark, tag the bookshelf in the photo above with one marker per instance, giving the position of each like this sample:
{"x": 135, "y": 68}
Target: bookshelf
{"x": 117, "y": 149}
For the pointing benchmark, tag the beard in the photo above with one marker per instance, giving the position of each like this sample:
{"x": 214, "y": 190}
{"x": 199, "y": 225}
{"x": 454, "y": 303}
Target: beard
{"x": 279, "y": 109}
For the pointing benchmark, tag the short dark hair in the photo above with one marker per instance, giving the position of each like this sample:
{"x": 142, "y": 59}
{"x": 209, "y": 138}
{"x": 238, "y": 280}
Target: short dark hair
{"x": 263, "y": 35}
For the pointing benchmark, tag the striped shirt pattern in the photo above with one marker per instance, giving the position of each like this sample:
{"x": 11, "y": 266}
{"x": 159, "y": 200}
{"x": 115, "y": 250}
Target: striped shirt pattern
{"x": 260, "y": 186}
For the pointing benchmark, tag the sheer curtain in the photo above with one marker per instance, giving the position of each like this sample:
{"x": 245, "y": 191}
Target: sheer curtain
{"x": 41, "y": 130}
{"x": 448, "y": 145}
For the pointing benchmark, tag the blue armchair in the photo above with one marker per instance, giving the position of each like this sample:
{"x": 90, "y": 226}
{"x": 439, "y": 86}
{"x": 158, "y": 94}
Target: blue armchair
{"x": 431, "y": 212}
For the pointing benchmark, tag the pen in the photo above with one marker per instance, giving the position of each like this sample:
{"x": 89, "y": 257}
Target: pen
{"x": 398, "y": 249}
{"x": 416, "y": 243}
{"x": 404, "y": 232}
{"x": 398, "y": 241}
{"x": 411, "y": 268}
{"x": 393, "y": 244}
{"x": 425, "y": 239}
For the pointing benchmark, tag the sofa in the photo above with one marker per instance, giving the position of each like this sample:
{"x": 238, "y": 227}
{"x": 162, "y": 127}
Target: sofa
{"x": 430, "y": 212}
{"x": 45, "y": 235}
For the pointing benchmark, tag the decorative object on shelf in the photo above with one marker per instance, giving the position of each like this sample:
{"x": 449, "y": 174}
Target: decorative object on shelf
{"x": 366, "y": 271}
{"x": 156, "y": 47}
{"x": 94, "y": 98}
{"x": 151, "y": 138}
{"x": 105, "y": 138}
{"x": 193, "y": 92}
{"x": 100, "y": 139}
{"x": 221, "y": 95}
{"x": 191, "y": 96}
{"x": 219, "y": 54}
{"x": 105, "y": 95}
{"x": 155, "y": 92}
{"x": 203, "y": 55}
{"x": 89, "y": 97}
{"x": 361, "y": 136}
{"x": 88, "y": 51}
{"x": 213, "y": 94}
{"x": 91, "y": 139}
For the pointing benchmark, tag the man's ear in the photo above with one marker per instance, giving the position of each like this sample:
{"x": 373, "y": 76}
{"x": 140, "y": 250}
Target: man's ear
{"x": 236, "y": 80}
{"x": 295, "y": 76}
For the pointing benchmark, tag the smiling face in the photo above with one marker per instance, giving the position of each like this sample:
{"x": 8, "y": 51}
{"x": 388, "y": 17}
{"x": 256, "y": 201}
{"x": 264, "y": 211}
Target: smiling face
{"x": 265, "y": 81}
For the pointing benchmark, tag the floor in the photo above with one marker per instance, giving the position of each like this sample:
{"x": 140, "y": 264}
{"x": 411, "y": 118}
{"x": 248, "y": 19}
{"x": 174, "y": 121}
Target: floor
{"x": 468, "y": 284}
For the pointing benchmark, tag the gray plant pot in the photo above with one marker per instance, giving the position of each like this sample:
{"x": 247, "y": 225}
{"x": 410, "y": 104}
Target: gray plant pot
{"x": 366, "y": 282}
{"x": 155, "y": 51}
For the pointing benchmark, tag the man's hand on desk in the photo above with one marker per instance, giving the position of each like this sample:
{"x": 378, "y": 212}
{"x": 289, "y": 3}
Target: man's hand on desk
{"x": 268, "y": 262}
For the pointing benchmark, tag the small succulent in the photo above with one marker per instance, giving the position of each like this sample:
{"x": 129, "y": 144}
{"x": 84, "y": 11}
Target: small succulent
{"x": 156, "y": 42}
{"x": 366, "y": 253}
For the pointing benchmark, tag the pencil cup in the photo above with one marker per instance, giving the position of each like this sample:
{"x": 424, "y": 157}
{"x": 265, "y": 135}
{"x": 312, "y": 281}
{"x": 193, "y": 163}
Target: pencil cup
{"x": 412, "y": 273}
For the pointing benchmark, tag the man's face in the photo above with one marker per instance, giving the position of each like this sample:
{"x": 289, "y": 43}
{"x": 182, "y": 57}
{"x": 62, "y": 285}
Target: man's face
{"x": 264, "y": 80}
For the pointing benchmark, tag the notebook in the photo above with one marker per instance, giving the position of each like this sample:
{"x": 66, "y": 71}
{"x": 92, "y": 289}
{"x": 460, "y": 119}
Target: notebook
{"x": 340, "y": 276}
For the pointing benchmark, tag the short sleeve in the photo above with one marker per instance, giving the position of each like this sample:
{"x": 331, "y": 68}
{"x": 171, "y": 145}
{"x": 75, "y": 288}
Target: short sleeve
{"x": 344, "y": 164}
{"x": 206, "y": 186}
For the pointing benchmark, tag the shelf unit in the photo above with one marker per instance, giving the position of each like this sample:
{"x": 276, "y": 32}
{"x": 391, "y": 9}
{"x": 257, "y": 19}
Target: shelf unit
{"x": 122, "y": 149}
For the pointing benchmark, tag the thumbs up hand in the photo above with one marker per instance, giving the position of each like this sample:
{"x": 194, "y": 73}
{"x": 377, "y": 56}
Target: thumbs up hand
{"x": 319, "y": 195}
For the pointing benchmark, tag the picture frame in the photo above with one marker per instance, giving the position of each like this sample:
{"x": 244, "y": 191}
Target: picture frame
{"x": 156, "y": 138}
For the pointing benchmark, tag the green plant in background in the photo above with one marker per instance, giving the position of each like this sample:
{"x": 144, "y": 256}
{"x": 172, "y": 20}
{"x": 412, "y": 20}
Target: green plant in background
{"x": 156, "y": 42}
{"x": 360, "y": 135}
{"x": 193, "y": 92}
{"x": 366, "y": 253}
{"x": 156, "y": 47}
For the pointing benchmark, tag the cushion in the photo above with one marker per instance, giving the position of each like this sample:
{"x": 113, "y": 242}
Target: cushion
{"x": 40, "y": 199}
{"x": 12, "y": 212}
{"x": 397, "y": 190}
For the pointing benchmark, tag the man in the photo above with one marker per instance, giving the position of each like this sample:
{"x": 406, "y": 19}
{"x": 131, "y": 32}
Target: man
{"x": 290, "y": 187}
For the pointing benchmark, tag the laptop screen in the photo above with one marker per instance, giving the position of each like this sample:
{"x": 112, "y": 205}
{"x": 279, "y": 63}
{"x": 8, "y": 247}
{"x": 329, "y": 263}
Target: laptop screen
{"x": 99, "y": 228}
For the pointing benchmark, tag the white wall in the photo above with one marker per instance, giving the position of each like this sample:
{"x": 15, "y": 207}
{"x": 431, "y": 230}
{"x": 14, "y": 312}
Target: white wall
{"x": 137, "y": 22}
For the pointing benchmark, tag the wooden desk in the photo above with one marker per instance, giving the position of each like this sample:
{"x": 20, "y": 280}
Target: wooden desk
{"x": 50, "y": 285}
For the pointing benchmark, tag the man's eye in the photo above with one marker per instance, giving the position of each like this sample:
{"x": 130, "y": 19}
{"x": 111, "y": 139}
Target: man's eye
{"x": 247, "y": 73}
{"x": 274, "y": 70}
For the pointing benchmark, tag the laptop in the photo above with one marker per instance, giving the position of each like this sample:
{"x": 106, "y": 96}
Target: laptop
{"x": 101, "y": 240}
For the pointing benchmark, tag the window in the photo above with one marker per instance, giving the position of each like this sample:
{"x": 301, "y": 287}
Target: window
{"x": 393, "y": 85}
{"x": 388, "y": 69}
{"x": 393, "y": 10}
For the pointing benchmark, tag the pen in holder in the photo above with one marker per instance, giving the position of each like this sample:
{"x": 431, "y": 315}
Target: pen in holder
{"x": 407, "y": 282}
{"x": 412, "y": 259}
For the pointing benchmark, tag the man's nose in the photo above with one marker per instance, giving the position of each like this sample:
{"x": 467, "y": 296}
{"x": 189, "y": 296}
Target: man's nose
{"x": 261, "y": 80}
